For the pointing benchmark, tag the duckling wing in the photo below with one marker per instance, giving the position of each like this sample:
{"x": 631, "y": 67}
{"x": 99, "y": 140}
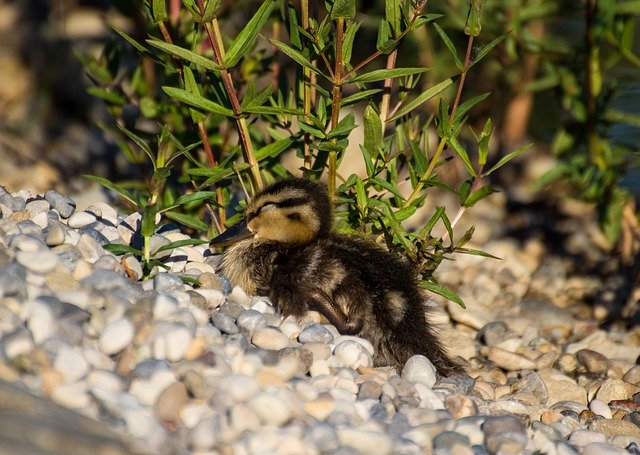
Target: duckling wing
{"x": 319, "y": 301}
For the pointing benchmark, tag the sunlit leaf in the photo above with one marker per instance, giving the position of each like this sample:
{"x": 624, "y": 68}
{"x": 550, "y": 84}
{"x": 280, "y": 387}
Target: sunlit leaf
{"x": 185, "y": 54}
{"x": 442, "y": 291}
{"x": 245, "y": 38}
{"x": 422, "y": 98}
{"x": 197, "y": 101}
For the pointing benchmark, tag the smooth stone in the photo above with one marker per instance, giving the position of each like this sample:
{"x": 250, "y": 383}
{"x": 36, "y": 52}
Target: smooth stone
{"x": 72, "y": 396}
{"x": 632, "y": 376}
{"x": 419, "y": 369}
{"x": 242, "y": 419}
{"x": 164, "y": 307}
{"x": 270, "y": 338}
{"x": 37, "y": 206}
{"x": 132, "y": 266}
{"x": 593, "y": 361}
{"x": 447, "y": 440}
{"x": 507, "y": 360}
{"x": 94, "y": 233}
{"x": 532, "y": 383}
{"x": 206, "y": 433}
{"x": 64, "y": 205}
{"x": 241, "y": 387}
{"x": 41, "y": 262}
{"x": 71, "y": 364}
{"x": 116, "y": 336}
{"x": 600, "y": 408}
{"x": 493, "y": 333}
{"x": 250, "y": 321}
{"x": 460, "y": 406}
{"x": 14, "y": 203}
{"x": 171, "y": 340}
{"x": 103, "y": 212}
{"x": 601, "y": 448}
{"x": 616, "y": 389}
{"x": 366, "y": 441}
{"x": 561, "y": 387}
{"x": 239, "y": 296}
{"x": 165, "y": 282}
{"x": 225, "y": 323}
{"x": 612, "y": 428}
{"x": 128, "y": 227}
{"x": 324, "y": 437}
{"x": 352, "y": 354}
{"x": 80, "y": 219}
{"x": 269, "y": 408}
{"x": 170, "y": 401}
{"x": 89, "y": 248}
{"x": 583, "y": 437}
{"x": 315, "y": 333}
{"x": 54, "y": 234}
{"x": 16, "y": 343}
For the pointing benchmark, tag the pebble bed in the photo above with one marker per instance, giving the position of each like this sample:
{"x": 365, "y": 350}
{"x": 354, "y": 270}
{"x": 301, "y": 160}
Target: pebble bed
{"x": 184, "y": 369}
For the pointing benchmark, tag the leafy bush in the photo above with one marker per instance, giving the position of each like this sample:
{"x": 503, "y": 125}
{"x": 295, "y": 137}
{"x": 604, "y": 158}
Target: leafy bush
{"x": 217, "y": 111}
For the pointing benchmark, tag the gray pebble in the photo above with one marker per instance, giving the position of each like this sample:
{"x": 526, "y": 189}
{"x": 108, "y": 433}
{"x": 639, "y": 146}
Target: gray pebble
{"x": 224, "y": 323}
{"x": 38, "y": 262}
{"x": 15, "y": 204}
{"x": 324, "y": 437}
{"x": 104, "y": 213}
{"x": 64, "y": 205}
{"x": 232, "y": 309}
{"x": 165, "y": 282}
{"x": 92, "y": 232}
{"x": 448, "y": 439}
{"x": 54, "y": 234}
{"x": 89, "y": 248}
{"x": 315, "y": 333}
{"x": 249, "y": 321}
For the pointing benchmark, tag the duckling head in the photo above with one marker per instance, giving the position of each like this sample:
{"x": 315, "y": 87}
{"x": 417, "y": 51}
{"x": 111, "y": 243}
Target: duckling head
{"x": 293, "y": 211}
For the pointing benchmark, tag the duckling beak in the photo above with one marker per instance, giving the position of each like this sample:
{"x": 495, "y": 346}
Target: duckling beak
{"x": 232, "y": 235}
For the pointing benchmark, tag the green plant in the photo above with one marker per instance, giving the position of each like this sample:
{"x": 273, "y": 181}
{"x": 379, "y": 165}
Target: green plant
{"x": 301, "y": 92}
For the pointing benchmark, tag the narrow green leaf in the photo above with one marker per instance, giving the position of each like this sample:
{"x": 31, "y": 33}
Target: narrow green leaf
{"x": 462, "y": 153}
{"x": 192, "y": 87}
{"x": 111, "y": 97}
{"x": 295, "y": 55}
{"x": 388, "y": 186}
{"x": 274, "y": 149}
{"x": 475, "y": 252}
{"x": 210, "y": 9}
{"x": 442, "y": 291}
{"x": 118, "y": 249}
{"x": 187, "y": 220}
{"x": 488, "y": 48}
{"x": 463, "y": 108}
{"x": 148, "y": 224}
{"x": 384, "y": 42}
{"x": 478, "y": 195}
{"x": 419, "y": 157}
{"x": 361, "y": 197}
{"x": 382, "y": 74}
{"x": 406, "y": 213}
{"x": 452, "y": 48}
{"x": 178, "y": 244}
{"x": 113, "y": 187}
{"x": 393, "y": 15}
{"x": 483, "y": 143}
{"x": 190, "y": 198}
{"x": 347, "y": 44}
{"x": 344, "y": 127}
{"x": 159, "y": 10}
{"x": 358, "y": 96}
{"x": 130, "y": 40}
{"x": 312, "y": 130}
{"x": 373, "y": 140}
{"x": 505, "y": 159}
{"x": 343, "y": 9}
{"x": 271, "y": 110}
{"x": 628, "y": 7}
{"x": 245, "y": 38}
{"x": 447, "y": 225}
{"x": 426, "y": 229}
{"x": 185, "y": 54}
{"x": 197, "y": 101}
{"x": 463, "y": 192}
{"x": 396, "y": 227}
{"x": 422, "y": 98}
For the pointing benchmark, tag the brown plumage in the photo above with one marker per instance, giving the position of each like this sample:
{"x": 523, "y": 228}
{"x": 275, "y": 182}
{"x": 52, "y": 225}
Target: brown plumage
{"x": 294, "y": 258}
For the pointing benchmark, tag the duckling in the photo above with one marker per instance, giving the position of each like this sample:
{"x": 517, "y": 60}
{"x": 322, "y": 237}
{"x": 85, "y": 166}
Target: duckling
{"x": 287, "y": 251}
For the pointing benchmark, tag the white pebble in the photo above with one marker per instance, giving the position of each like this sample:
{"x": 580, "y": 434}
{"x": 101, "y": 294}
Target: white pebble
{"x": 241, "y": 387}
{"x": 600, "y": 408}
{"x": 419, "y": 369}
{"x": 171, "y": 341}
{"x": 80, "y": 219}
{"x": 116, "y": 336}
{"x": 71, "y": 364}
{"x": 365, "y": 441}
{"x": 582, "y": 438}
{"x": 164, "y": 307}
{"x": 38, "y": 262}
{"x": 270, "y": 338}
{"x": 270, "y": 409}
{"x": 72, "y": 396}
{"x": 351, "y": 354}
{"x": 147, "y": 391}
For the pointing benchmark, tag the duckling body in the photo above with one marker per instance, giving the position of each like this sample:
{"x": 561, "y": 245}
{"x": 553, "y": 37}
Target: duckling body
{"x": 295, "y": 260}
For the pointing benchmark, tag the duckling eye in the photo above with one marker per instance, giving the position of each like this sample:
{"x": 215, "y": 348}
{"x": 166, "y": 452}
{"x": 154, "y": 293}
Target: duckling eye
{"x": 295, "y": 216}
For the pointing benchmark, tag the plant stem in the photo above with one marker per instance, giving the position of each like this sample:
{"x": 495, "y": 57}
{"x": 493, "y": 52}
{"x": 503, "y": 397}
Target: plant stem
{"x": 215, "y": 39}
{"x": 388, "y": 84}
{"x": 443, "y": 140}
{"x": 336, "y": 97}
{"x": 592, "y": 84}
{"x": 306, "y": 90}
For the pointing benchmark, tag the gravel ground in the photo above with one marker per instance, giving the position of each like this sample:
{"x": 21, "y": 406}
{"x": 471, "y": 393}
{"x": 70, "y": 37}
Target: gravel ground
{"x": 168, "y": 368}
